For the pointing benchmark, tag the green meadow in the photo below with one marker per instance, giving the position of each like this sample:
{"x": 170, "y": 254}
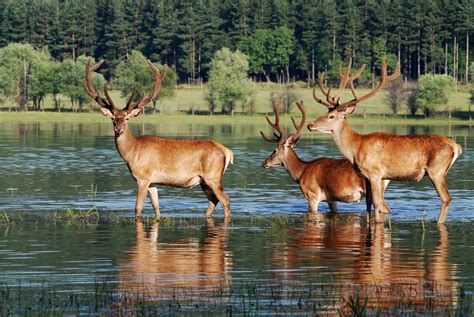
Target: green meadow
{"x": 189, "y": 100}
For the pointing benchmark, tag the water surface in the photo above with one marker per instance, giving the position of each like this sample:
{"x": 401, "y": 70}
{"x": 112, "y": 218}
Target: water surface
{"x": 268, "y": 260}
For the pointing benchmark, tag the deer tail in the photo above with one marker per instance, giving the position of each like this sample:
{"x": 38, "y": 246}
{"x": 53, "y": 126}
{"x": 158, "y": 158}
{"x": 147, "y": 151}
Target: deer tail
{"x": 228, "y": 154}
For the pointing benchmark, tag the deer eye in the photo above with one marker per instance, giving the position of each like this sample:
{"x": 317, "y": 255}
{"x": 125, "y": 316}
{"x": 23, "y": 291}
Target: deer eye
{"x": 332, "y": 116}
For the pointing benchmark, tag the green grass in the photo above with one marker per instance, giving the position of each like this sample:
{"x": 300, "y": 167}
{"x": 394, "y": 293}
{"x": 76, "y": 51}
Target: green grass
{"x": 181, "y": 118}
{"x": 187, "y": 99}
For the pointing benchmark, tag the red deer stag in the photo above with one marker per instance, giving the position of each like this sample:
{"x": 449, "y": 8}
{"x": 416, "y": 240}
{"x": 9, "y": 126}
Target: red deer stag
{"x": 380, "y": 157}
{"x": 325, "y": 179}
{"x": 154, "y": 161}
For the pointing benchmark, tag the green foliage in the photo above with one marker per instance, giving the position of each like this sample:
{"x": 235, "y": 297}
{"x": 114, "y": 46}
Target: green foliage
{"x": 135, "y": 72}
{"x": 283, "y": 39}
{"x": 432, "y": 91}
{"x": 17, "y": 64}
{"x": 268, "y": 50}
{"x": 69, "y": 75}
{"x": 228, "y": 81}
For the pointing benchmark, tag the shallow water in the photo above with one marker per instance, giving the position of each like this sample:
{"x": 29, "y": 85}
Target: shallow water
{"x": 259, "y": 262}
{"x": 52, "y": 166}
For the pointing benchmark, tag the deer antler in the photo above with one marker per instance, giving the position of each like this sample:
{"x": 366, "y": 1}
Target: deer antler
{"x": 384, "y": 79}
{"x": 141, "y": 102}
{"x": 334, "y": 101}
{"x": 299, "y": 128}
{"x": 277, "y": 138}
{"x": 89, "y": 87}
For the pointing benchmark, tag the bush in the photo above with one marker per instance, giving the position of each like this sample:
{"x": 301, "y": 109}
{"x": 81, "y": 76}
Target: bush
{"x": 432, "y": 91}
{"x": 287, "y": 97}
{"x": 396, "y": 94}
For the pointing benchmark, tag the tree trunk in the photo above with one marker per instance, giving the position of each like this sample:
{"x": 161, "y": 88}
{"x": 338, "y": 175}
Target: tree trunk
{"x": 466, "y": 75}
{"x": 418, "y": 56}
{"x": 446, "y": 58}
{"x": 455, "y": 75}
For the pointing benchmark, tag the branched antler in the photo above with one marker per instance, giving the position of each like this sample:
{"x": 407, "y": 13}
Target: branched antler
{"x": 131, "y": 103}
{"x": 89, "y": 87}
{"x": 299, "y": 128}
{"x": 334, "y": 101}
{"x": 141, "y": 102}
{"x": 277, "y": 138}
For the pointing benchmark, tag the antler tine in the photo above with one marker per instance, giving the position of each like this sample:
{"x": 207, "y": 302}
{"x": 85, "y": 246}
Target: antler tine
{"x": 276, "y": 125}
{"x": 354, "y": 77}
{"x": 326, "y": 103}
{"x": 130, "y": 99}
{"x": 344, "y": 78}
{"x": 156, "y": 88}
{"x": 299, "y": 128}
{"x": 89, "y": 86}
{"x": 384, "y": 79}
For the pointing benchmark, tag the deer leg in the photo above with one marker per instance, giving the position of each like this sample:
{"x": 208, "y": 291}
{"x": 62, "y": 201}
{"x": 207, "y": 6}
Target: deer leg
{"x": 377, "y": 199}
{"x": 386, "y": 208}
{"x": 218, "y": 191}
{"x": 332, "y": 206}
{"x": 439, "y": 183}
{"x": 368, "y": 199}
{"x": 141, "y": 195}
{"x": 153, "y": 193}
{"x": 211, "y": 198}
{"x": 313, "y": 202}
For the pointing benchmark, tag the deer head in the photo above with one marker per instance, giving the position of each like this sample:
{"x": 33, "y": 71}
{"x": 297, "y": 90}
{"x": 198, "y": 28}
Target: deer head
{"x": 284, "y": 143}
{"x": 338, "y": 110}
{"x": 133, "y": 107}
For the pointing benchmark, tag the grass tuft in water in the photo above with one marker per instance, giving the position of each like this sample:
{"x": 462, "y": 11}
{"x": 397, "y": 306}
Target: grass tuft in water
{"x": 248, "y": 299}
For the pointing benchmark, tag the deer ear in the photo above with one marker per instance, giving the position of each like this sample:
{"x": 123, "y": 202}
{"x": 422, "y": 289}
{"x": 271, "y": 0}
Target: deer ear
{"x": 106, "y": 112}
{"x": 135, "y": 112}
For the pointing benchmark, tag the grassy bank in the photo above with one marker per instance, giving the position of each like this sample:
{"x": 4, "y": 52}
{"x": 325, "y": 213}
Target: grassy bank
{"x": 191, "y": 99}
{"x": 82, "y": 117}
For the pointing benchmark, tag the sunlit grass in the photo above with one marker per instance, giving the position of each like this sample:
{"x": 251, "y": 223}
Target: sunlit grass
{"x": 188, "y": 100}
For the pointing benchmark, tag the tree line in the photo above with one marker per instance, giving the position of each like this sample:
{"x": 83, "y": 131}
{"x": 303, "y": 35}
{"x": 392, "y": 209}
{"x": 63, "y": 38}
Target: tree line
{"x": 28, "y": 75}
{"x": 283, "y": 39}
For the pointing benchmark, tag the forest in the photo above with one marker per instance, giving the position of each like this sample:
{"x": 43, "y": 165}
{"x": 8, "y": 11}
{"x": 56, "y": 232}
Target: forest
{"x": 284, "y": 39}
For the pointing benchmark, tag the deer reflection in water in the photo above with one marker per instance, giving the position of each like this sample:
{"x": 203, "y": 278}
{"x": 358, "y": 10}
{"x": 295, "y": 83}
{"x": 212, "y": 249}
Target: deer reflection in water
{"x": 186, "y": 268}
{"x": 361, "y": 263}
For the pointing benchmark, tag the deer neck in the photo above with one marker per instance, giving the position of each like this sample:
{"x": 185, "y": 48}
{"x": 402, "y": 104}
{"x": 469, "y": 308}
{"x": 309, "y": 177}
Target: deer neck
{"x": 125, "y": 144}
{"x": 347, "y": 140}
{"x": 294, "y": 165}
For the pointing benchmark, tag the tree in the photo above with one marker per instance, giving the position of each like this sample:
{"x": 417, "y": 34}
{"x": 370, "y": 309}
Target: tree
{"x": 412, "y": 103}
{"x": 135, "y": 72}
{"x": 396, "y": 94}
{"x": 17, "y": 62}
{"x": 228, "y": 80}
{"x": 269, "y": 51}
{"x": 433, "y": 91}
{"x": 71, "y": 74}
{"x": 42, "y": 81}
